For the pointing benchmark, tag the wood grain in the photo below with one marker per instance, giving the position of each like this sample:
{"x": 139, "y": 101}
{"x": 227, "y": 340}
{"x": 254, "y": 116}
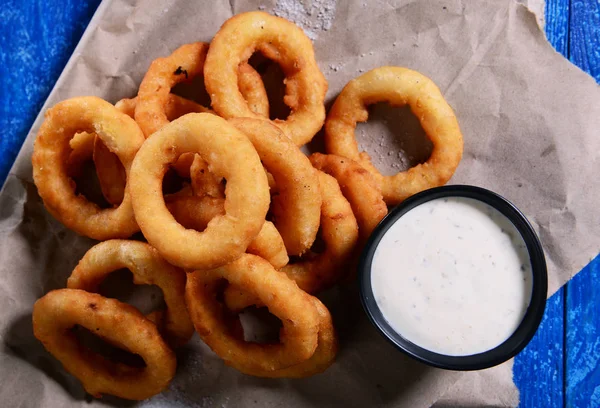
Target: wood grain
{"x": 37, "y": 38}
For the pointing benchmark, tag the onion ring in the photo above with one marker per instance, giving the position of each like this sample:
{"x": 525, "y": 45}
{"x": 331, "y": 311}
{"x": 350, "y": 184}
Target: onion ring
{"x": 296, "y": 207}
{"x": 50, "y": 156}
{"x": 115, "y": 322}
{"x": 196, "y": 212}
{"x": 398, "y": 86}
{"x": 358, "y": 186}
{"x": 185, "y": 63}
{"x": 148, "y": 268}
{"x": 326, "y": 350}
{"x": 246, "y": 195}
{"x": 280, "y": 41}
{"x": 298, "y": 337}
{"x": 339, "y": 230}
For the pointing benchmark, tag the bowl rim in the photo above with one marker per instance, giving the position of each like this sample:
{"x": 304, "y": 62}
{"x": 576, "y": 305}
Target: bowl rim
{"x": 535, "y": 311}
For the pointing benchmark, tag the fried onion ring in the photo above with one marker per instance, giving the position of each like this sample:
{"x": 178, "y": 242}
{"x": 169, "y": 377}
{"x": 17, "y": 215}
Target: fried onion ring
{"x": 399, "y": 87}
{"x": 358, "y": 186}
{"x": 230, "y": 155}
{"x": 148, "y": 268}
{"x": 280, "y": 41}
{"x": 339, "y": 231}
{"x": 51, "y": 152}
{"x": 196, "y": 212}
{"x": 115, "y": 322}
{"x": 283, "y": 298}
{"x": 324, "y": 354}
{"x": 185, "y": 63}
{"x": 296, "y": 207}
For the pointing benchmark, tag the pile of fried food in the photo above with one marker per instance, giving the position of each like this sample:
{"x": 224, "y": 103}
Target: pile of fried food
{"x": 251, "y": 201}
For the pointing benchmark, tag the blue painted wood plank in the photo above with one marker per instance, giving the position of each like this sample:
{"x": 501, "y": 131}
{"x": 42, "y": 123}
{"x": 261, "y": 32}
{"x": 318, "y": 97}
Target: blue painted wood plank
{"x": 37, "y": 39}
{"x": 538, "y": 370}
{"x": 584, "y": 40}
{"x": 582, "y": 346}
{"x": 583, "y": 338}
{"x": 557, "y": 24}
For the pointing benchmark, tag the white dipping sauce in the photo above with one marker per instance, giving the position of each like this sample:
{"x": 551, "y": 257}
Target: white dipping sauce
{"x": 453, "y": 276}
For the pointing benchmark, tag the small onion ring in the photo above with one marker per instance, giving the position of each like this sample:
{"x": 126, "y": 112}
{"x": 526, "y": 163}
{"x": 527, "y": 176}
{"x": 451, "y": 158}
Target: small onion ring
{"x": 358, "y": 186}
{"x": 51, "y": 152}
{"x": 229, "y": 154}
{"x": 115, "y": 322}
{"x": 185, "y": 63}
{"x": 195, "y": 212}
{"x": 281, "y": 41}
{"x": 283, "y": 298}
{"x": 296, "y": 207}
{"x": 324, "y": 354}
{"x": 398, "y": 86}
{"x": 148, "y": 268}
{"x": 339, "y": 231}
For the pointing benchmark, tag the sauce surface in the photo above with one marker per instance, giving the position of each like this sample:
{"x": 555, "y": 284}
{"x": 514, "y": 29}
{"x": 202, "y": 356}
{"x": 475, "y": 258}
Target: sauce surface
{"x": 453, "y": 276}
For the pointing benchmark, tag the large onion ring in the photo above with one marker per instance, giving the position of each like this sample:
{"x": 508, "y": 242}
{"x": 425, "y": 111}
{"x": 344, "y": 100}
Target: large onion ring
{"x": 185, "y": 63}
{"x": 115, "y": 322}
{"x": 339, "y": 231}
{"x": 398, "y": 86}
{"x": 358, "y": 186}
{"x": 296, "y": 206}
{"x": 283, "y": 298}
{"x": 281, "y": 41}
{"x": 229, "y": 154}
{"x": 195, "y": 212}
{"x": 51, "y": 152}
{"x": 148, "y": 268}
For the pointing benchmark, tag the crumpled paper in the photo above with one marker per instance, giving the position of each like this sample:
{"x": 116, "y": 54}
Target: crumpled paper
{"x": 529, "y": 120}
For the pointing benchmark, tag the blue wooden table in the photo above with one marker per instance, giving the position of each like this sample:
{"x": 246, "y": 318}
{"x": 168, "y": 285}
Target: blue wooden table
{"x": 560, "y": 367}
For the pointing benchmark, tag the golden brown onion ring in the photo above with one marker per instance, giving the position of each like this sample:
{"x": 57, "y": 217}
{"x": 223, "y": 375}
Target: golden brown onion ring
{"x": 398, "y": 86}
{"x": 247, "y": 197}
{"x": 283, "y": 298}
{"x": 296, "y": 206}
{"x": 185, "y": 63}
{"x": 50, "y": 157}
{"x": 280, "y": 41}
{"x": 339, "y": 232}
{"x": 116, "y": 323}
{"x": 358, "y": 186}
{"x": 148, "y": 268}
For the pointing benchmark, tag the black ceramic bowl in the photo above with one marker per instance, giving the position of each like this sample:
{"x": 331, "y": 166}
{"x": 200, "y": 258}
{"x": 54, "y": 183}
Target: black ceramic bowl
{"x": 524, "y": 332}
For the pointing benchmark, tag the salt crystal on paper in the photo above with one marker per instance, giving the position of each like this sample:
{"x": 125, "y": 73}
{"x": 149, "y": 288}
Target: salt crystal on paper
{"x": 313, "y": 18}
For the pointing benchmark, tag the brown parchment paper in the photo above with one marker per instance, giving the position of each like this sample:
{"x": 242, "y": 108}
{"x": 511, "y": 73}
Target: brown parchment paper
{"x": 530, "y": 121}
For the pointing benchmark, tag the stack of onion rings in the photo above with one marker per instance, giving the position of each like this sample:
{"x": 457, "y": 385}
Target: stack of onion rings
{"x": 246, "y": 219}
